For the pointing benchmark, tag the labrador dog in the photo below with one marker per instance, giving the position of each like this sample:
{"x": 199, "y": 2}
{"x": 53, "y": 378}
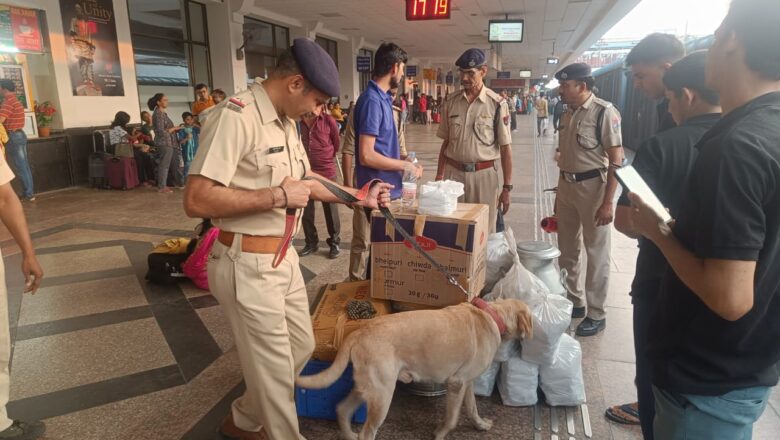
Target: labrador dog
{"x": 452, "y": 345}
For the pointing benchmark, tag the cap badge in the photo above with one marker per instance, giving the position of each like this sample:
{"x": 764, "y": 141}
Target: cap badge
{"x": 564, "y": 75}
{"x": 472, "y": 63}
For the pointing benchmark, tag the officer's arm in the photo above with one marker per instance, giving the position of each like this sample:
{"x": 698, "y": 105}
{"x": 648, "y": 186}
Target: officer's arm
{"x": 442, "y": 160}
{"x": 615, "y": 155}
{"x": 370, "y": 158}
{"x": 206, "y": 198}
{"x": 506, "y": 163}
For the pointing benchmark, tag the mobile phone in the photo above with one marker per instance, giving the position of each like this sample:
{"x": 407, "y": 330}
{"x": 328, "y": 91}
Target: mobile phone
{"x": 632, "y": 181}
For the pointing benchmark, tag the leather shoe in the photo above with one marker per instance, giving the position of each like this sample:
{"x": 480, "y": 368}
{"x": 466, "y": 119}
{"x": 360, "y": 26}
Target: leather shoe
{"x": 335, "y": 251}
{"x": 308, "y": 249}
{"x": 590, "y": 327}
{"x": 577, "y": 312}
{"x": 233, "y": 432}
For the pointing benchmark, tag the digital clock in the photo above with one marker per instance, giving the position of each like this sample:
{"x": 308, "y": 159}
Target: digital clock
{"x": 427, "y": 10}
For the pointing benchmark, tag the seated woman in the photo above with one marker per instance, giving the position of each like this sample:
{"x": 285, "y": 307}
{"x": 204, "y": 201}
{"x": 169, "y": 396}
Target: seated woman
{"x": 142, "y": 152}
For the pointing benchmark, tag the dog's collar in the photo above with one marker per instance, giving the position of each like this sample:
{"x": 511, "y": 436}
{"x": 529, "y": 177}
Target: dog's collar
{"x": 484, "y": 306}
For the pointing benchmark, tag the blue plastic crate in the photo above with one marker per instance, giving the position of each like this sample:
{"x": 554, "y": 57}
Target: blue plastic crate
{"x": 321, "y": 404}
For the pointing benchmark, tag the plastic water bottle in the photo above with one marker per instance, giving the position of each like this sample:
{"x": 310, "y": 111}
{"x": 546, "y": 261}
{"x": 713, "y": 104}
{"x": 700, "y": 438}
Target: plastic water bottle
{"x": 409, "y": 185}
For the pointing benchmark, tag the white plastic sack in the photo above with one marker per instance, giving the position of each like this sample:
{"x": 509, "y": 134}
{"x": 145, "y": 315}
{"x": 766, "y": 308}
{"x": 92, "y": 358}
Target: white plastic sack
{"x": 440, "y": 198}
{"x": 501, "y": 249}
{"x": 552, "y": 317}
{"x": 517, "y": 382}
{"x": 486, "y": 382}
{"x": 507, "y": 349}
{"x": 562, "y": 381}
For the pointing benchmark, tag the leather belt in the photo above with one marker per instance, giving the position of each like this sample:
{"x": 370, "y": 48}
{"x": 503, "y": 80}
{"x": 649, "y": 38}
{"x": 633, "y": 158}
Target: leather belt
{"x": 253, "y": 244}
{"x": 471, "y": 167}
{"x": 579, "y": 177}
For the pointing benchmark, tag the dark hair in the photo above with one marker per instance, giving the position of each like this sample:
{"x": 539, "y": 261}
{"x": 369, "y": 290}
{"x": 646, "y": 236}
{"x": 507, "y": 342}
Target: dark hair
{"x": 186, "y": 115}
{"x": 152, "y": 102}
{"x": 688, "y": 73}
{"x": 286, "y": 65}
{"x": 755, "y": 24}
{"x": 121, "y": 119}
{"x": 656, "y": 48}
{"x": 219, "y": 92}
{"x": 7, "y": 84}
{"x": 387, "y": 56}
{"x": 200, "y": 86}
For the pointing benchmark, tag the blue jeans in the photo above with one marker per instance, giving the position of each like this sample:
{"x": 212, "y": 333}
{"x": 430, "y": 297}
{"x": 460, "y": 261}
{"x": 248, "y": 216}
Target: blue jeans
{"x": 17, "y": 154}
{"x": 693, "y": 417}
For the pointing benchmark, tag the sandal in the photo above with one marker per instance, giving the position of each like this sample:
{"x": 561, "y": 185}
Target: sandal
{"x": 627, "y": 414}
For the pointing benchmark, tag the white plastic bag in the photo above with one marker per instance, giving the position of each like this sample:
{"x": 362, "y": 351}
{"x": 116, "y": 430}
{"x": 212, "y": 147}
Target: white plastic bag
{"x": 508, "y": 349}
{"x": 486, "y": 382}
{"x": 501, "y": 249}
{"x": 440, "y": 198}
{"x": 552, "y": 317}
{"x": 517, "y": 382}
{"x": 562, "y": 381}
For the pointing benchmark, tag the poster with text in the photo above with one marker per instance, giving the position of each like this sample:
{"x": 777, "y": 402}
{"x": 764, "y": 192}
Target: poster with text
{"x": 93, "y": 53}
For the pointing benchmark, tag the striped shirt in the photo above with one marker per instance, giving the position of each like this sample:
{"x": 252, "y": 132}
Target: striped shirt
{"x": 13, "y": 112}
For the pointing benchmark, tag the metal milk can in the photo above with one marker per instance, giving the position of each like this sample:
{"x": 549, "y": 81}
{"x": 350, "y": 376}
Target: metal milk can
{"x": 539, "y": 258}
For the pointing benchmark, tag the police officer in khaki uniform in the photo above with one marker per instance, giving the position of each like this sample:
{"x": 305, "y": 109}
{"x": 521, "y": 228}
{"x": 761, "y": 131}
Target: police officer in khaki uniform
{"x": 475, "y": 129}
{"x": 590, "y": 147}
{"x": 246, "y": 175}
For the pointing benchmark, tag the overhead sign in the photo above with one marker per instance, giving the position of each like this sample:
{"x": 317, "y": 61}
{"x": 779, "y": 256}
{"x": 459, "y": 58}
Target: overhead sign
{"x": 504, "y": 75}
{"x": 427, "y": 10}
{"x": 553, "y": 60}
{"x": 525, "y": 74}
{"x": 411, "y": 71}
{"x": 363, "y": 63}
{"x": 505, "y": 31}
{"x": 507, "y": 83}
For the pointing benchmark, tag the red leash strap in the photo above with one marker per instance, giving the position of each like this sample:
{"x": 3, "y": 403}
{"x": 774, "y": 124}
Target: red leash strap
{"x": 484, "y": 306}
{"x": 289, "y": 221}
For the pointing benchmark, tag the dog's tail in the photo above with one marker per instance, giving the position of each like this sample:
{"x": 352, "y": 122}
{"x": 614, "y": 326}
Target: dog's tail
{"x": 327, "y": 377}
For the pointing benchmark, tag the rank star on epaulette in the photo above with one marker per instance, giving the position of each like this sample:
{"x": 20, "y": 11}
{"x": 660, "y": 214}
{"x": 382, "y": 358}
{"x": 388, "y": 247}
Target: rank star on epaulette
{"x": 236, "y": 104}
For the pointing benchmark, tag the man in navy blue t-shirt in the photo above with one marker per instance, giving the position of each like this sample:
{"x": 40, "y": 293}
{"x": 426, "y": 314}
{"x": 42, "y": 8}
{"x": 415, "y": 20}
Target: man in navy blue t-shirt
{"x": 377, "y": 150}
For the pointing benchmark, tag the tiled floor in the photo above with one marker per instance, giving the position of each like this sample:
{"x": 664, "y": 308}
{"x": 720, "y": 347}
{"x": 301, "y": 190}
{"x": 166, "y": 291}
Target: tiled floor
{"x": 101, "y": 354}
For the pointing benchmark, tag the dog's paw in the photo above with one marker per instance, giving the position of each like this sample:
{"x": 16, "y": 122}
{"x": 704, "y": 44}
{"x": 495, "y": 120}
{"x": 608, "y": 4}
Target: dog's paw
{"x": 349, "y": 435}
{"x": 483, "y": 424}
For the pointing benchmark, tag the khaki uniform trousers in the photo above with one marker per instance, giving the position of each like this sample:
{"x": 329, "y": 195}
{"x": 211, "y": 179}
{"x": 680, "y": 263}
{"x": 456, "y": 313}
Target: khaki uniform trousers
{"x": 268, "y": 312}
{"x": 577, "y": 206}
{"x": 5, "y": 351}
{"x": 360, "y": 249}
{"x": 479, "y": 187}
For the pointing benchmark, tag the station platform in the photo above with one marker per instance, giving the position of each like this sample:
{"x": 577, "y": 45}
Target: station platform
{"x": 99, "y": 353}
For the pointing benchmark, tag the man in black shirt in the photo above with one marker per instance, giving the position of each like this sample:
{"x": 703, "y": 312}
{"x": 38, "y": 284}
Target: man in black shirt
{"x": 648, "y": 61}
{"x": 715, "y": 343}
{"x": 664, "y": 162}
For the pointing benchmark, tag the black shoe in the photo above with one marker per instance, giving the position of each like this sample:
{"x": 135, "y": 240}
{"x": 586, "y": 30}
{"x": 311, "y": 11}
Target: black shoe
{"x": 578, "y": 312}
{"x": 335, "y": 251}
{"x": 308, "y": 249}
{"x": 20, "y": 430}
{"x": 590, "y": 327}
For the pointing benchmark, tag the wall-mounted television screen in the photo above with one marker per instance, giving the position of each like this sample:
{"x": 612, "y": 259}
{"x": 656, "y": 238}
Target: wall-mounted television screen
{"x": 525, "y": 74}
{"x": 506, "y": 31}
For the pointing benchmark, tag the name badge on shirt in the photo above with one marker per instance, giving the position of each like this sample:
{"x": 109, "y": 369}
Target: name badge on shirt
{"x": 274, "y": 150}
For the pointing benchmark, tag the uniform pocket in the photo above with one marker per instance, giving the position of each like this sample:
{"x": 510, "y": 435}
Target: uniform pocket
{"x": 456, "y": 128}
{"x": 271, "y": 167}
{"x": 483, "y": 128}
{"x": 586, "y": 136}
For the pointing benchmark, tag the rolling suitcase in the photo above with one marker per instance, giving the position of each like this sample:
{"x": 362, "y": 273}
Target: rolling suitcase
{"x": 96, "y": 163}
{"x": 121, "y": 173}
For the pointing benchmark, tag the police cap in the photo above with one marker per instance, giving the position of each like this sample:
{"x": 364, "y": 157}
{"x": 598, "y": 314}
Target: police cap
{"x": 317, "y": 66}
{"x": 576, "y": 71}
{"x": 471, "y": 58}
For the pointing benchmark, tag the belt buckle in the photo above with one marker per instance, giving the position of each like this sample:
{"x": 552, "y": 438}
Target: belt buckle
{"x": 569, "y": 177}
{"x": 469, "y": 167}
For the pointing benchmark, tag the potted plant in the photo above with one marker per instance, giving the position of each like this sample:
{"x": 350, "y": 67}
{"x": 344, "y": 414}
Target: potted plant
{"x": 43, "y": 114}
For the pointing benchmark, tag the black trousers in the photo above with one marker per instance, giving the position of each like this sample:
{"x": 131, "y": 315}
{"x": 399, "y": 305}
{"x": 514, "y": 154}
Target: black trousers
{"x": 514, "y": 121}
{"x": 145, "y": 164}
{"x": 644, "y": 299}
{"x": 556, "y": 121}
{"x": 331, "y": 220}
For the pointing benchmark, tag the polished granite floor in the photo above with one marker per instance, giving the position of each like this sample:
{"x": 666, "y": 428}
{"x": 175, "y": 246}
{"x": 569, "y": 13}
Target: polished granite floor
{"x": 101, "y": 354}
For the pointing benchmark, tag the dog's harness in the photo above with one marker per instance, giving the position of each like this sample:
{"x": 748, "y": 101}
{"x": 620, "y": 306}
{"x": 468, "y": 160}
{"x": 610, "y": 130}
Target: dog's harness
{"x": 359, "y": 197}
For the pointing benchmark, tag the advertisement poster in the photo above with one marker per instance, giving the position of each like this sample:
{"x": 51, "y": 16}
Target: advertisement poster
{"x": 20, "y": 30}
{"x": 93, "y": 53}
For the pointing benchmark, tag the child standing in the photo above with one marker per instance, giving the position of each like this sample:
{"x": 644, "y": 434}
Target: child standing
{"x": 188, "y": 139}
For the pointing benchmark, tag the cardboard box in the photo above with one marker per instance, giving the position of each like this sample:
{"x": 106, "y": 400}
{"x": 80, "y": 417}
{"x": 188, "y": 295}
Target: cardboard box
{"x": 330, "y": 321}
{"x": 458, "y": 242}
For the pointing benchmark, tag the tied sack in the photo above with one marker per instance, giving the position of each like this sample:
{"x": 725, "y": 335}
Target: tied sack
{"x": 440, "y": 198}
{"x": 517, "y": 382}
{"x": 562, "y": 381}
{"x": 501, "y": 249}
{"x": 485, "y": 383}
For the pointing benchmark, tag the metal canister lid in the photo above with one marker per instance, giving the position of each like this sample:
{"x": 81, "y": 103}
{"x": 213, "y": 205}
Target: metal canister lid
{"x": 537, "y": 249}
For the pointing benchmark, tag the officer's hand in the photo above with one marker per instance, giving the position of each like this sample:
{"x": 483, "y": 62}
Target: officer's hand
{"x": 379, "y": 195}
{"x": 645, "y": 220}
{"x": 33, "y": 274}
{"x": 605, "y": 214}
{"x": 297, "y": 192}
{"x": 504, "y": 201}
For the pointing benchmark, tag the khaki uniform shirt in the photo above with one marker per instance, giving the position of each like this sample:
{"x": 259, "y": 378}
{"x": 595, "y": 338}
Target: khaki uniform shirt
{"x": 349, "y": 135}
{"x": 541, "y": 108}
{"x": 250, "y": 148}
{"x": 470, "y": 128}
{"x": 578, "y": 143}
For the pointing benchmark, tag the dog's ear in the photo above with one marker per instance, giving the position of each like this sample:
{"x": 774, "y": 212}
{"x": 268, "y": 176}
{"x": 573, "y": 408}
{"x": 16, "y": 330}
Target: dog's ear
{"x": 525, "y": 322}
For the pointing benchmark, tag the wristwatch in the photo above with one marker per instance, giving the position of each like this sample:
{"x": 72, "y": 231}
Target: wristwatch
{"x": 508, "y": 187}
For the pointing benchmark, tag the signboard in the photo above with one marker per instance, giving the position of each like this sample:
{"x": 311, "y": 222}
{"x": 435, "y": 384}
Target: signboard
{"x": 20, "y": 29}
{"x": 505, "y": 31}
{"x": 363, "y": 63}
{"x": 429, "y": 74}
{"x": 417, "y": 10}
{"x": 450, "y": 78}
{"x": 553, "y": 60}
{"x": 15, "y": 73}
{"x": 525, "y": 74}
{"x": 503, "y": 75}
{"x": 507, "y": 83}
{"x": 411, "y": 71}
{"x": 93, "y": 53}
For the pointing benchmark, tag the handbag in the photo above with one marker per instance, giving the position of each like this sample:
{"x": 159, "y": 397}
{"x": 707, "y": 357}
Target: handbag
{"x": 124, "y": 150}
